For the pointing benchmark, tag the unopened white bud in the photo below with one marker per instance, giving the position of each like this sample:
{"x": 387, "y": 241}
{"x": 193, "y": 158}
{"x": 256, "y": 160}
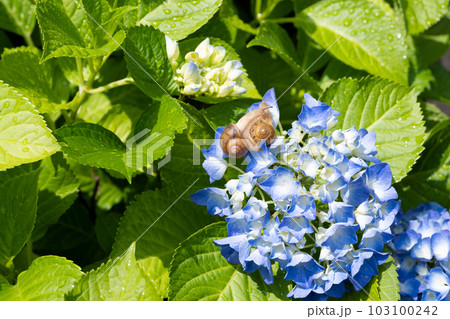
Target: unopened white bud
{"x": 191, "y": 56}
{"x": 191, "y": 73}
{"x": 204, "y": 50}
{"x": 172, "y": 49}
{"x": 238, "y": 90}
{"x": 218, "y": 55}
{"x": 192, "y": 88}
{"x": 234, "y": 74}
{"x": 226, "y": 88}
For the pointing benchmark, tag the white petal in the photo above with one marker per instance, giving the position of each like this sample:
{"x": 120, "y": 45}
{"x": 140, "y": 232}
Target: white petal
{"x": 234, "y": 74}
{"x": 191, "y": 89}
{"x": 226, "y": 88}
{"x": 191, "y": 72}
{"x": 172, "y": 49}
{"x": 204, "y": 50}
{"x": 218, "y": 55}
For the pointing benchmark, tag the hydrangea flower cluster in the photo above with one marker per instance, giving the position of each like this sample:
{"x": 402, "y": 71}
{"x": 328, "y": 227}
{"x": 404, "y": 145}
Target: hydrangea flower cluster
{"x": 205, "y": 71}
{"x": 421, "y": 249}
{"x": 330, "y": 210}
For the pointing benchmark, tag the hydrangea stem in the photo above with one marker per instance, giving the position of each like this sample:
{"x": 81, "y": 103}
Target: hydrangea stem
{"x": 236, "y": 168}
{"x": 112, "y": 85}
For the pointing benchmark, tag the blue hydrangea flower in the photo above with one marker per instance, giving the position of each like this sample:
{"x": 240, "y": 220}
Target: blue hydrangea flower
{"x": 317, "y": 202}
{"x": 421, "y": 250}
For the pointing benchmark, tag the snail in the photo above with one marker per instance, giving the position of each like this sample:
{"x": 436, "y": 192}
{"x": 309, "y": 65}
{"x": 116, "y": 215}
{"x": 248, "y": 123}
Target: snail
{"x": 248, "y": 133}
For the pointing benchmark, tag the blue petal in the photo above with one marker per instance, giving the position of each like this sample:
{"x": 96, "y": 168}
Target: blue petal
{"x": 302, "y": 269}
{"x": 258, "y": 161}
{"x": 303, "y": 205}
{"x": 215, "y": 199}
{"x": 439, "y": 282}
{"x": 235, "y": 249}
{"x": 281, "y": 184}
{"x": 378, "y": 179}
{"x": 257, "y": 261}
{"x": 340, "y": 234}
{"x": 270, "y": 100}
{"x": 299, "y": 292}
{"x": 403, "y": 242}
{"x": 422, "y": 250}
{"x": 215, "y": 165}
{"x": 341, "y": 212}
{"x": 314, "y": 119}
{"x": 297, "y": 226}
{"x": 308, "y": 165}
{"x": 366, "y": 149}
{"x": 375, "y": 239}
{"x": 355, "y": 193}
{"x": 365, "y": 266}
{"x": 440, "y": 245}
{"x": 411, "y": 287}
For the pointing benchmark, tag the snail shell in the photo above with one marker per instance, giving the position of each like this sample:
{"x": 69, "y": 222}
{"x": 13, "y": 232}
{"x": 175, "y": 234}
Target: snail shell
{"x": 231, "y": 142}
{"x": 248, "y": 133}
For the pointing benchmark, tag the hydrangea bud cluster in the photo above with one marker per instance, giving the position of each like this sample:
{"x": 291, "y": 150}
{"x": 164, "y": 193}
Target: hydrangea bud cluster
{"x": 205, "y": 71}
{"x": 317, "y": 202}
{"x": 421, "y": 249}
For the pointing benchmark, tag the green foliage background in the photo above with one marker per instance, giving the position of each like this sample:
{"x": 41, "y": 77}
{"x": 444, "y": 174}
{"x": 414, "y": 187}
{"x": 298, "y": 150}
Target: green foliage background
{"x": 79, "y": 78}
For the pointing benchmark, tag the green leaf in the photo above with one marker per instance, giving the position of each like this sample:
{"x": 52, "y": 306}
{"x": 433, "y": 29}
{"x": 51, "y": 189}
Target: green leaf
{"x": 93, "y": 145}
{"x": 80, "y": 52}
{"x": 179, "y": 18}
{"x": 18, "y": 198}
{"x": 163, "y": 219}
{"x": 143, "y": 7}
{"x": 58, "y": 189}
{"x": 154, "y": 269}
{"x": 24, "y": 137}
{"x": 118, "y": 117}
{"x": 57, "y": 29}
{"x": 199, "y": 272}
{"x": 420, "y": 15}
{"x": 281, "y": 78}
{"x": 5, "y": 42}
{"x": 73, "y": 236}
{"x": 336, "y": 70}
{"x": 383, "y": 287}
{"x": 432, "y": 115}
{"x": 147, "y": 61}
{"x": 435, "y": 42}
{"x": 161, "y": 120}
{"x": 369, "y": 293}
{"x": 119, "y": 279}
{"x": 44, "y": 84}
{"x": 73, "y": 33}
{"x": 187, "y": 153}
{"x": 388, "y": 109}
{"x": 388, "y": 284}
{"x": 275, "y": 38}
{"x": 17, "y": 16}
{"x": 361, "y": 34}
{"x": 3, "y": 281}
{"x": 190, "y": 45}
{"x": 106, "y": 226}
{"x": 103, "y": 21}
{"x": 222, "y": 114}
{"x": 48, "y": 278}
{"x": 229, "y": 14}
{"x": 439, "y": 89}
{"x": 430, "y": 179}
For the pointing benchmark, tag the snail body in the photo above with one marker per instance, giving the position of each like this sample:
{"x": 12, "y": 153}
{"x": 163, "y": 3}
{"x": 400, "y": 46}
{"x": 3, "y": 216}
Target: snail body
{"x": 248, "y": 133}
